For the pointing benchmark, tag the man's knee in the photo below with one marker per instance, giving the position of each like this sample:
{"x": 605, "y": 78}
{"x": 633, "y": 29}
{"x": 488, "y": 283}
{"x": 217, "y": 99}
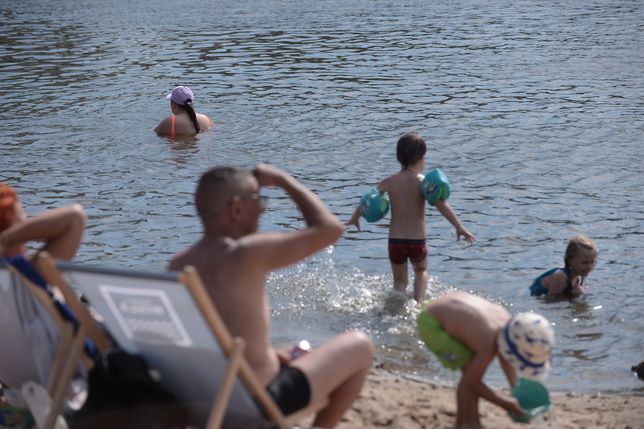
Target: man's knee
{"x": 362, "y": 347}
{"x": 78, "y": 215}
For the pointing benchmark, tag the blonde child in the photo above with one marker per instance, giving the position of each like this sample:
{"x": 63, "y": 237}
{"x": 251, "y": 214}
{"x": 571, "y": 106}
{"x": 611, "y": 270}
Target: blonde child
{"x": 407, "y": 227}
{"x": 579, "y": 260}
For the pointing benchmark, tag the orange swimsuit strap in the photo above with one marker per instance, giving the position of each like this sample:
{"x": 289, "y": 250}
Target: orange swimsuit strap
{"x": 172, "y": 132}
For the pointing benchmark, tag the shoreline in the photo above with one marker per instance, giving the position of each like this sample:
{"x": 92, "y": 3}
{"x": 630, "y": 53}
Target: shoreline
{"x": 389, "y": 399}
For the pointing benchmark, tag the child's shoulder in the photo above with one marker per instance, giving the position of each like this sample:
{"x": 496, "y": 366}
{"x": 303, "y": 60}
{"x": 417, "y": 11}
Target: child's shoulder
{"x": 402, "y": 178}
{"x": 558, "y": 276}
{"x": 555, "y": 280}
{"x": 389, "y": 181}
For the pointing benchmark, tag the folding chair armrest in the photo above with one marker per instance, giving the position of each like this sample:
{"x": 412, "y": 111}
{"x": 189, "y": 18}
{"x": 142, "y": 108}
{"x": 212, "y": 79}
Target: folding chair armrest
{"x": 226, "y": 388}
{"x": 192, "y": 280}
{"x": 46, "y": 266}
{"x": 58, "y": 395}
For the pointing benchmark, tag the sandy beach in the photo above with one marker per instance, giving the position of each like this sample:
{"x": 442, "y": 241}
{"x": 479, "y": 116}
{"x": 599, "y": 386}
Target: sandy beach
{"x": 391, "y": 400}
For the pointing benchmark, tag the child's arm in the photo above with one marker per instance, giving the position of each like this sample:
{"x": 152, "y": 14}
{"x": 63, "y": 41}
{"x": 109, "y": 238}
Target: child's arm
{"x": 446, "y": 210}
{"x": 355, "y": 219}
{"x": 472, "y": 381}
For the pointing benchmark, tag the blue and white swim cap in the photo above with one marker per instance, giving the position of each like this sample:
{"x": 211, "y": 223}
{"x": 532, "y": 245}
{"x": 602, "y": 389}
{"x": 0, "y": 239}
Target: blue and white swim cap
{"x": 435, "y": 186}
{"x": 374, "y": 205}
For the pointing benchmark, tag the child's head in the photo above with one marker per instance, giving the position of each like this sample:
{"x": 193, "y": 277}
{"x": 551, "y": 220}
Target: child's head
{"x": 581, "y": 255}
{"x": 526, "y": 343}
{"x": 8, "y": 202}
{"x": 410, "y": 149}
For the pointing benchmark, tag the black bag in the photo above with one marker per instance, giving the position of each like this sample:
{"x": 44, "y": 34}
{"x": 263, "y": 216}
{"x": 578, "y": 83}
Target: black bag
{"x": 123, "y": 394}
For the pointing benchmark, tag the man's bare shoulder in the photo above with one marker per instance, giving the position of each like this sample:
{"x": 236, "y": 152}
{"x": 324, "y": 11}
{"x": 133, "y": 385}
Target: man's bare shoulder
{"x": 182, "y": 259}
{"x": 204, "y": 253}
{"x": 226, "y": 261}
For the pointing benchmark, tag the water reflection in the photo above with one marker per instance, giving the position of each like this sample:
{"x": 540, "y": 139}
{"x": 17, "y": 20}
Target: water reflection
{"x": 183, "y": 149}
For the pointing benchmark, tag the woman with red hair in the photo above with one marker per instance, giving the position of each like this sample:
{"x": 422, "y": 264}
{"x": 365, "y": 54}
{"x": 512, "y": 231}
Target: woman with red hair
{"x": 61, "y": 229}
{"x": 29, "y": 329}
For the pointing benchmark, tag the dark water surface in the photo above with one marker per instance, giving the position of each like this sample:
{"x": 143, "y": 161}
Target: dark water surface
{"x": 534, "y": 111}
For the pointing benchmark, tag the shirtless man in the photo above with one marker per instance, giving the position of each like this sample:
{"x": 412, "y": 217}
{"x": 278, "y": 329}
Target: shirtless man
{"x": 467, "y": 332}
{"x": 233, "y": 259}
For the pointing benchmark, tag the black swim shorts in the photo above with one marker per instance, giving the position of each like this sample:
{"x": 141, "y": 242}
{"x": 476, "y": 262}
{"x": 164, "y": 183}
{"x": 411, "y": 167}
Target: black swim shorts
{"x": 290, "y": 390}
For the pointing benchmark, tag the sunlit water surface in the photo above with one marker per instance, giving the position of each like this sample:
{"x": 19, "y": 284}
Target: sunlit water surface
{"x": 534, "y": 111}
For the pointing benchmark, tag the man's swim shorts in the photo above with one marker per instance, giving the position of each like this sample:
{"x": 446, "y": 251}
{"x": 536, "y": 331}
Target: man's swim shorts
{"x": 290, "y": 389}
{"x": 450, "y": 352}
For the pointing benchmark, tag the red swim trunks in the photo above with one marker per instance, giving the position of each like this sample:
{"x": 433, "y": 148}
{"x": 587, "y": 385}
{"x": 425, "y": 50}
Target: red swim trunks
{"x": 401, "y": 248}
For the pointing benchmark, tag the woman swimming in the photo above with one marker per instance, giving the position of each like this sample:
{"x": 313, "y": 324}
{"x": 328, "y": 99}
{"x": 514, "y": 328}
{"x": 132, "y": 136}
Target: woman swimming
{"x": 184, "y": 120}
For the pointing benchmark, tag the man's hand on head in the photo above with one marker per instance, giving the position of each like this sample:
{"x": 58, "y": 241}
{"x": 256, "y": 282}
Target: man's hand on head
{"x": 267, "y": 175}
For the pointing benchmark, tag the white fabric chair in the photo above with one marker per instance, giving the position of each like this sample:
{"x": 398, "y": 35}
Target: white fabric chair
{"x": 169, "y": 319}
{"x": 41, "y": 350}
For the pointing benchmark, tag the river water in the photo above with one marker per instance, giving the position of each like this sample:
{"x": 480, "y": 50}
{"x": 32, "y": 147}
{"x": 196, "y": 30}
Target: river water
{"x": 534, "y": 110}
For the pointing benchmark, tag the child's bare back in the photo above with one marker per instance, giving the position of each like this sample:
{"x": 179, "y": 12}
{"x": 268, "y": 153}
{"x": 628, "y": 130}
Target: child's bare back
{"x": 407, "y": 204}
{"x": 407, "y": 232}
{"x": 475, "y": 321}
{"x": 467, "y": 332}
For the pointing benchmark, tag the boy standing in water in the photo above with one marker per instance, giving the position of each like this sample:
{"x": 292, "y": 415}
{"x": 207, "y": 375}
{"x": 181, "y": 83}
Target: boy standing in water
{"x": 407, "y": 228}
{"x": 467, "y": 332}
{"x": 234, "y": 259}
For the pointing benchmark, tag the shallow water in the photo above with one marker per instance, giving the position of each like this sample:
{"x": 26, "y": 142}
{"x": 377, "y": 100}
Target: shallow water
{"x": 534, "y": 112}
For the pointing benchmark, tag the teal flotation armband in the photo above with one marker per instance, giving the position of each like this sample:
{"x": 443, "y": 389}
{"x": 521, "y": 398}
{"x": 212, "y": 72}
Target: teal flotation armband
{"x": 374, "y": 205}
{"x": 435, "y": 186}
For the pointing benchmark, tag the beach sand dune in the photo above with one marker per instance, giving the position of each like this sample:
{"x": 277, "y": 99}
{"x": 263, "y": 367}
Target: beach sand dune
{"x": 391, "y": 400}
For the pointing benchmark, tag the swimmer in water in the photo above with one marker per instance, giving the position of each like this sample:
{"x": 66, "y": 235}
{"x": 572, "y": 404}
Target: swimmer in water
{"x": 579, "y": 261}
{"x": 184, "y": 121}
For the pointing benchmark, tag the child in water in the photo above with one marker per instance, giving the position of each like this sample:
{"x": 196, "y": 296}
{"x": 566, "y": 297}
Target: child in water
{"x": 407, "y": 228}
{"x": 467, "y": 332}
{"x": 580, "y": 259}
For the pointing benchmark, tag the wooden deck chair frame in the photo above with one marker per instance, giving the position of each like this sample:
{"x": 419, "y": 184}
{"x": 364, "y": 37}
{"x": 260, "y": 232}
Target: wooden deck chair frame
{"x": 68, "y": 352}
{"x": 237, "y": 366}
{"x": 46, "y": 266}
